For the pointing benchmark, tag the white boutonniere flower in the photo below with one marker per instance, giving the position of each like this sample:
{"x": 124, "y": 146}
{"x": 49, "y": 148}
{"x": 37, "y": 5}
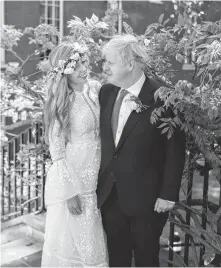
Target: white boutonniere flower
{"x": 135, "y": 104}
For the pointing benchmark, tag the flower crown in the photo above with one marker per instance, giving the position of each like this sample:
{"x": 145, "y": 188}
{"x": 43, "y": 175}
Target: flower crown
{"x": 68, "y": 66}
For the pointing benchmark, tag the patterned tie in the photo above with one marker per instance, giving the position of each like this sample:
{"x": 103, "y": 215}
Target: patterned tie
{"x": 116, "y": 110}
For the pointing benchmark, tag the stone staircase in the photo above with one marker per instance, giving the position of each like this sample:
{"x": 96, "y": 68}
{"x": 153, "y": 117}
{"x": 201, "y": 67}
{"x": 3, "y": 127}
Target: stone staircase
{"x": 22, "y": 241}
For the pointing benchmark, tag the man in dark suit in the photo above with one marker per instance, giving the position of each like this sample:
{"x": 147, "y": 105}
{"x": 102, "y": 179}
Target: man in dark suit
{"x": 141, "y": 170}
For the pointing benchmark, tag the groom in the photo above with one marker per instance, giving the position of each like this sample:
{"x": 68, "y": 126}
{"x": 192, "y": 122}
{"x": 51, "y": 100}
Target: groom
{"x": 141, "y": 170}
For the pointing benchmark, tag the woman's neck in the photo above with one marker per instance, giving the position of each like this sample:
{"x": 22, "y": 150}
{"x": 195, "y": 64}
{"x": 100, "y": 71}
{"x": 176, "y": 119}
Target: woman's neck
{"x": 76, "y": 87}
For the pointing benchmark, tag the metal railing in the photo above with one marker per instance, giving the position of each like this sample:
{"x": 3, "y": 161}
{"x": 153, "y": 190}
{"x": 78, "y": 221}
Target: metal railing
{"x": 190, "y": 243}
{"x": 22, "y": 182}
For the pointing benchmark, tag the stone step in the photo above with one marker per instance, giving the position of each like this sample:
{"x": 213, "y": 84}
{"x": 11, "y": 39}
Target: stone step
{"x": 13, "y": 233}
{"x": 22, "y": 241}
{"x": 36, "y": 222}
{"x": 19, "y": 248}
{"x": 28, "y": 225}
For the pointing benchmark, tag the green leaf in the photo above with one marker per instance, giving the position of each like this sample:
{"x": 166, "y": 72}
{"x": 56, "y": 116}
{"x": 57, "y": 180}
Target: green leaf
{"x": 165, "y": 119}
{"x": 170, "y": 133}
{"x": 165, "y": 22}
{"x": 179, "y": 58}
{"x": 165, "y": 130}
{"x": 200, "y": 71}
{"x": 163, "y": 125}
{"x": 213, "y": 66}
{"x": 202, "y": 46}
{"x": 177, "y": 120}
{"x": 158, "y": 112}
{"x": 173, "y": 123}
{"x": 210, "y": 77}
{"x": 180, "y": 20}
{"x": 161, "y": 18}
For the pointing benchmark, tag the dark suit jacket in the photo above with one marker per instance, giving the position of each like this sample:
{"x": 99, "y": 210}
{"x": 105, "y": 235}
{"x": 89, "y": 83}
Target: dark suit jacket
{"x": 145, "y": 165}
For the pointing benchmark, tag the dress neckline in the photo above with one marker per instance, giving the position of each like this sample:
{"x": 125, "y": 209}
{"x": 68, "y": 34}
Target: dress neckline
{"x": 79, "y": 92}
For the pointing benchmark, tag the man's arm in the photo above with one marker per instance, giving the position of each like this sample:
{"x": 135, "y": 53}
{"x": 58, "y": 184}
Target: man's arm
{"x": 174, "y": 164}
{"x": 173, "y": 170}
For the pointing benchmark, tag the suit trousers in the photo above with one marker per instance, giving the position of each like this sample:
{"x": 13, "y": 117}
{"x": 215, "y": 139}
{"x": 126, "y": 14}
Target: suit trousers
{"x": 129, "y": 236}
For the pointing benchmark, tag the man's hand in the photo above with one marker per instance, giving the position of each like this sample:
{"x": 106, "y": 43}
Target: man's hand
{"x": 74, "y": 205}
{"x": 162, "y": 205}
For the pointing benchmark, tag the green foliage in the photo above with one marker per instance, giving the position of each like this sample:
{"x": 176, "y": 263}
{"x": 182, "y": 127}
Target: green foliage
{"x": 196, "y": 102}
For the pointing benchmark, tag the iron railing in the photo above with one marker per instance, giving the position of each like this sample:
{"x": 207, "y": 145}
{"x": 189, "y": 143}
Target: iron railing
{"x": 188, "y": 242}
{"x": 22, "y": 182}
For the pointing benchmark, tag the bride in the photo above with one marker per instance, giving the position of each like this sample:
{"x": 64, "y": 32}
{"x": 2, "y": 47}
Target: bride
{"x": 74, "y": 235}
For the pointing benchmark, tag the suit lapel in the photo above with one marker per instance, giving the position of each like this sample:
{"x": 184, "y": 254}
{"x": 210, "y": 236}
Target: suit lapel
{"x": 109, "y": 110}
{"x": 106, "y": 123}
{"x": 146, "y": 97}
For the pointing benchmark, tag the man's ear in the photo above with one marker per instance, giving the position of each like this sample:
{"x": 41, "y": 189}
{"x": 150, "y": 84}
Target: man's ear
{"x": 131, "y": 63}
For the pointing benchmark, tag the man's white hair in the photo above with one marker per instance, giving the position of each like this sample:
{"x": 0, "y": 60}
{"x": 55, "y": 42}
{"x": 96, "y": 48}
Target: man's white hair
{"x": 128, "y": 48}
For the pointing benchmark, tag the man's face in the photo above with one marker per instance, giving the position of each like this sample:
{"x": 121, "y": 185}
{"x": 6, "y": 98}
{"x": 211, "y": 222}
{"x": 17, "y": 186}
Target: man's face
{"x": 115, "y": 70}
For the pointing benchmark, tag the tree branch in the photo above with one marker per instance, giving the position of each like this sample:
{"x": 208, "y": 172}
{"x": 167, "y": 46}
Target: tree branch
{"x": 207, "y": 125}
{"x": 16, "y": 55}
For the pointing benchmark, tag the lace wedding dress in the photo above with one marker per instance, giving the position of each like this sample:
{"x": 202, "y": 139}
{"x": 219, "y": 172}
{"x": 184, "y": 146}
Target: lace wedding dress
{"x": 75, "y": 240}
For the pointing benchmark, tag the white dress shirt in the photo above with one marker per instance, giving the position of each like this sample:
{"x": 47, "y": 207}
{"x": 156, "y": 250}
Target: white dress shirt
{"x": 125, "y": 109}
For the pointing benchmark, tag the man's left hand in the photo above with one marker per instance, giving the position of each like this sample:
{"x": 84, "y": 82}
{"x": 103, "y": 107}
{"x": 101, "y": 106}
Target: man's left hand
{"x": 162, "y": 205}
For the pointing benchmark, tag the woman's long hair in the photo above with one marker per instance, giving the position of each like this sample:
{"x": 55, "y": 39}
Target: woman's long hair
{"x": 57, "y": 104}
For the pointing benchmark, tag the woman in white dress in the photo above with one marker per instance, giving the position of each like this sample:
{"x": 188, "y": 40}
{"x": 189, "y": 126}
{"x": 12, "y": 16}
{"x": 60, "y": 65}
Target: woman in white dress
{"x": 74, "y": 235}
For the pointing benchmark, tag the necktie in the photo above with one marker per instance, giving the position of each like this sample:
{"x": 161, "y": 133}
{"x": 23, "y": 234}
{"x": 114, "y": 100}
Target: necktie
{"x": 116, "y": 110}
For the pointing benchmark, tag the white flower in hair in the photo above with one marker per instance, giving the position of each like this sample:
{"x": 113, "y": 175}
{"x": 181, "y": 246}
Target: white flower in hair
{"x": 68, "y": 71}
{"x": 68, "y": 66}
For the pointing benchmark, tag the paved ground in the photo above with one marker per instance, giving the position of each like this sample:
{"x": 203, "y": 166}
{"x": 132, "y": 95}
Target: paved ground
{"x": 33, "y": 260}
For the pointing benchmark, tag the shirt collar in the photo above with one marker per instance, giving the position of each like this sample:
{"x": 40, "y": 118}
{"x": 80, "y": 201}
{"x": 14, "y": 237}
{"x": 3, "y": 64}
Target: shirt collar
{"x": 136, "y": 88}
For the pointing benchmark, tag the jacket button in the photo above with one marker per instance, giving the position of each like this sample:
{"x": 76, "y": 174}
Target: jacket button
{"x": 115, "y": 156}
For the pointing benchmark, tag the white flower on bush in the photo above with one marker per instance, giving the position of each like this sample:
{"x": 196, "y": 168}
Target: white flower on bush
{"x": 80, "y": 48}
{"x": 146, "y": 42}
{"x": 23, "y": 115}
{"x": 44, "y": 65}
{"x": 75, "y": 56}
{"x": 61, "y": 63}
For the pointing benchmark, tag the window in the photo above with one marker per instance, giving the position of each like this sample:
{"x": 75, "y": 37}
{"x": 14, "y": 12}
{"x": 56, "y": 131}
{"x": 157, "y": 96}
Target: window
{"x": 113, "y": 4}
{"x": 189, "y": 60}
{"x": 52, "y": 13}
{"x": 190, "y": 56}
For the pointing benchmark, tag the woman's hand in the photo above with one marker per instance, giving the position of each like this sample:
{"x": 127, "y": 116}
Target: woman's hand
{"x": 74, "y": 205}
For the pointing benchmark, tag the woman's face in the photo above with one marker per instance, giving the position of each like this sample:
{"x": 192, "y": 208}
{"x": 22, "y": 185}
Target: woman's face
{"x": 79, "y": 76}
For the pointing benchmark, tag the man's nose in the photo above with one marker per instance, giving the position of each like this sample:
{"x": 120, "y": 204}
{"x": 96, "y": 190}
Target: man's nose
{"x": 105, "y": 66}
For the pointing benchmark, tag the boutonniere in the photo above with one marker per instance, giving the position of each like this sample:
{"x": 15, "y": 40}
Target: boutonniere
{"x": 135, "y": 104}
